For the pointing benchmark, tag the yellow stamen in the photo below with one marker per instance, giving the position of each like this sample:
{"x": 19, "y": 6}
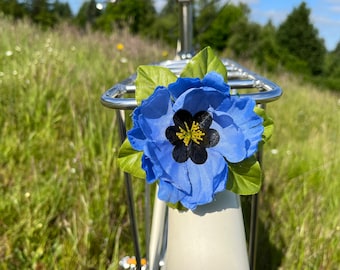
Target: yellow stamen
{"x": 194, "y": 133}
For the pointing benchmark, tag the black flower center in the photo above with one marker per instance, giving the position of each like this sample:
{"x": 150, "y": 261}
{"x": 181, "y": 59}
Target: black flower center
{"x": 191, "y": 135}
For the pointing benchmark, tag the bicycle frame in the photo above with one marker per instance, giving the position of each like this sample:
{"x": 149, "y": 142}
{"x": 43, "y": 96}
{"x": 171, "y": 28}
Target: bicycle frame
{"x": 167, "y": 243}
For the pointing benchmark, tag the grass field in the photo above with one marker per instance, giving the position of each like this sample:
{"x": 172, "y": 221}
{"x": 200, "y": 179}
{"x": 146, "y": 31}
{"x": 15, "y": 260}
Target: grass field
{"x": 62, "y": 200}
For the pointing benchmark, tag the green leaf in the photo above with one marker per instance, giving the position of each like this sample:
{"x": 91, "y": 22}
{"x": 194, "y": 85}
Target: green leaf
{"x": 130, "y": 160}
{"x": 177, "y": 206}
{"x": 202, "y": 63}
{"x": 268, "y": 124}
{"x": 245, "y": 178}
{"x": 149, "y": 77}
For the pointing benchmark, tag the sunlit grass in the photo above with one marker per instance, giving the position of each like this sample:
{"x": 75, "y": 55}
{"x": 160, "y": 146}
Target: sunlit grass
{"x": 300, "y": 202}
{"x": 62, "y": 199}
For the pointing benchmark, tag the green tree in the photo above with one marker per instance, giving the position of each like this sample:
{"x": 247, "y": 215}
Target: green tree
{"x": 331, "y": 76}
{"x": 299, "y": 37}
{"x": 137, "y": 16}
{"x": 220, "y": 29}
{"x": 244, "y": 39}
{"x": 41, "y": 12}
{"x": 268, "y": 54}
{"x": 332, "y": 66}
{"x": 62, "y": 10}
{"x": 207, "y": 11}
{"x": 165, "y": 26}
{"x": 12, "y": 8}
{"x": 87, "y": 14}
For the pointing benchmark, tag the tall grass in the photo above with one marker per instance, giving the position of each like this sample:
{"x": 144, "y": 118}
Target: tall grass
{"x": 62, "y": 200}
{"x": 300, "y": 203}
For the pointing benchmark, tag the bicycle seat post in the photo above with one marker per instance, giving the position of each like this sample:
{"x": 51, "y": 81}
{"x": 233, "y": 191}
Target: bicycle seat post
{"x": 186, "y": 50}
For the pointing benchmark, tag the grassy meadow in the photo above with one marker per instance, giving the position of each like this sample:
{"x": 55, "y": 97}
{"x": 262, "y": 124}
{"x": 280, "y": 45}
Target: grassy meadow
{"x": 62, "y": 199}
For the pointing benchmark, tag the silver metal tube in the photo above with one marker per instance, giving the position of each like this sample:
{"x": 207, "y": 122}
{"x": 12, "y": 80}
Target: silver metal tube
{"x": 186, "y": 28}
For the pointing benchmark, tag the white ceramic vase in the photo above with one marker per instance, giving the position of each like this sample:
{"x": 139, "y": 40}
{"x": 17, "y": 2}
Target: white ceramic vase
{"x": 210, "y": 237}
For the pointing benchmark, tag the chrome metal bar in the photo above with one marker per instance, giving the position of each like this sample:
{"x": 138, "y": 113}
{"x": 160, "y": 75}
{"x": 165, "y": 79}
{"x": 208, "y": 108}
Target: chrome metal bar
{"x": 254, "y": 209}
{"x": 130, "y": 198}
{"x": 186, "y": 29}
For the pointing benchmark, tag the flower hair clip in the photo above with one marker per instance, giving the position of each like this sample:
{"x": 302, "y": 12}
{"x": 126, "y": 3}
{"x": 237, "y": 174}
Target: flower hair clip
{"x": 191, "y": 136}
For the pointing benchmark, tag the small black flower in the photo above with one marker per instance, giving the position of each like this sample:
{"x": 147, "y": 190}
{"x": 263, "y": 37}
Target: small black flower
{"x": 191, "y": 135}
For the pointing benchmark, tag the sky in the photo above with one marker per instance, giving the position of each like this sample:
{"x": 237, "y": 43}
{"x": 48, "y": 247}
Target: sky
{"x": 325, "y": 14}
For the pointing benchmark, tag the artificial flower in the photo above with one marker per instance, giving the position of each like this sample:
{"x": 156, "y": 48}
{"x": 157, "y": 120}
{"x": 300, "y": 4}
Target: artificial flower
{"x": 189, "y": 131}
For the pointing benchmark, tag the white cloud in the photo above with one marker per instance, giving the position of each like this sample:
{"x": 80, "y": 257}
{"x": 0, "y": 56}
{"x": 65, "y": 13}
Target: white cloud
{"x": 262, "y": 16}
{"x": 335, "y": 9}
{"x": 325, "y": 20}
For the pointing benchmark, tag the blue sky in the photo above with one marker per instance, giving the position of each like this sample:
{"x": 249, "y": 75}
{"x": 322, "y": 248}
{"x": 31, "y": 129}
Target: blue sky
{"x": 325, "y": 14}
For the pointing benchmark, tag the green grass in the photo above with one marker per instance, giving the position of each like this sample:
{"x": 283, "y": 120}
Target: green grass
{"x": 62, "y": 199}
{"x": 300, "y": 202}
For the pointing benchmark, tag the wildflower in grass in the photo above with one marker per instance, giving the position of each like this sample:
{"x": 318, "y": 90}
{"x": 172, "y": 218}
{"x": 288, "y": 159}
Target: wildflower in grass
{"x": 187, "y": 131}
{"x": 274, "y": 151}
{"x": 9, "y": 53}
{"x": 120, "y": 46}
{"x": 165, "y": 53}
{"x": 123, "y": 60}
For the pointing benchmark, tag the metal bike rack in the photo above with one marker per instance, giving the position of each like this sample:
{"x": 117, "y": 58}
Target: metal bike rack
{"x": 242, "y": 81}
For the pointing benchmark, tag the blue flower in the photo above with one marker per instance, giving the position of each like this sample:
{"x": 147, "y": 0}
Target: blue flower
{"x": 188, "y": 133}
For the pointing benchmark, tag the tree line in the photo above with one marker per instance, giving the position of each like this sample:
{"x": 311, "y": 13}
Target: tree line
{"x": 294, "y": 45}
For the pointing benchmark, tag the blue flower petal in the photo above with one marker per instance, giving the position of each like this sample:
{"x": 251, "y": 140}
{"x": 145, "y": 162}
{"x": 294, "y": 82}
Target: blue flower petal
{"x": 206, "y": 180}
{"x": 156, "y": 106}
{"x": 165, "y": 167}
{"x": 156, "y": 115}
{"x": 242, "y": 112}
{"x": 135, "y": 135}
{"x": 183, "y": 84}
{"x": 148, "y": 167}
{"x": 216, "y": 81}
{"x": 197, "y": 100}
{"x": 167, "y": 192}
{"x": 232, "y": 142}
{"x": 253, "y": 137}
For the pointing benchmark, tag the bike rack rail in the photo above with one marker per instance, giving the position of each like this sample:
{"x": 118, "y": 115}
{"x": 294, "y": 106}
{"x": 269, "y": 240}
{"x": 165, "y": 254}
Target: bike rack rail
{"x": 239, "y": 78}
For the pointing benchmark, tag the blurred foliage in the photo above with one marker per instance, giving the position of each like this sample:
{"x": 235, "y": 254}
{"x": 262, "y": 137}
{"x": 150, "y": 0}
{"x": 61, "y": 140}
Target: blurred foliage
{"x": 294, "y": 45}
{"x": 298, "y": 35}
{"x": 221, "y": 28}
{"x": 87, "y": 15}
{"x": 43, "y": 12}
{"x": 166, "y": 25}
{"x": 137, "y": 16}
